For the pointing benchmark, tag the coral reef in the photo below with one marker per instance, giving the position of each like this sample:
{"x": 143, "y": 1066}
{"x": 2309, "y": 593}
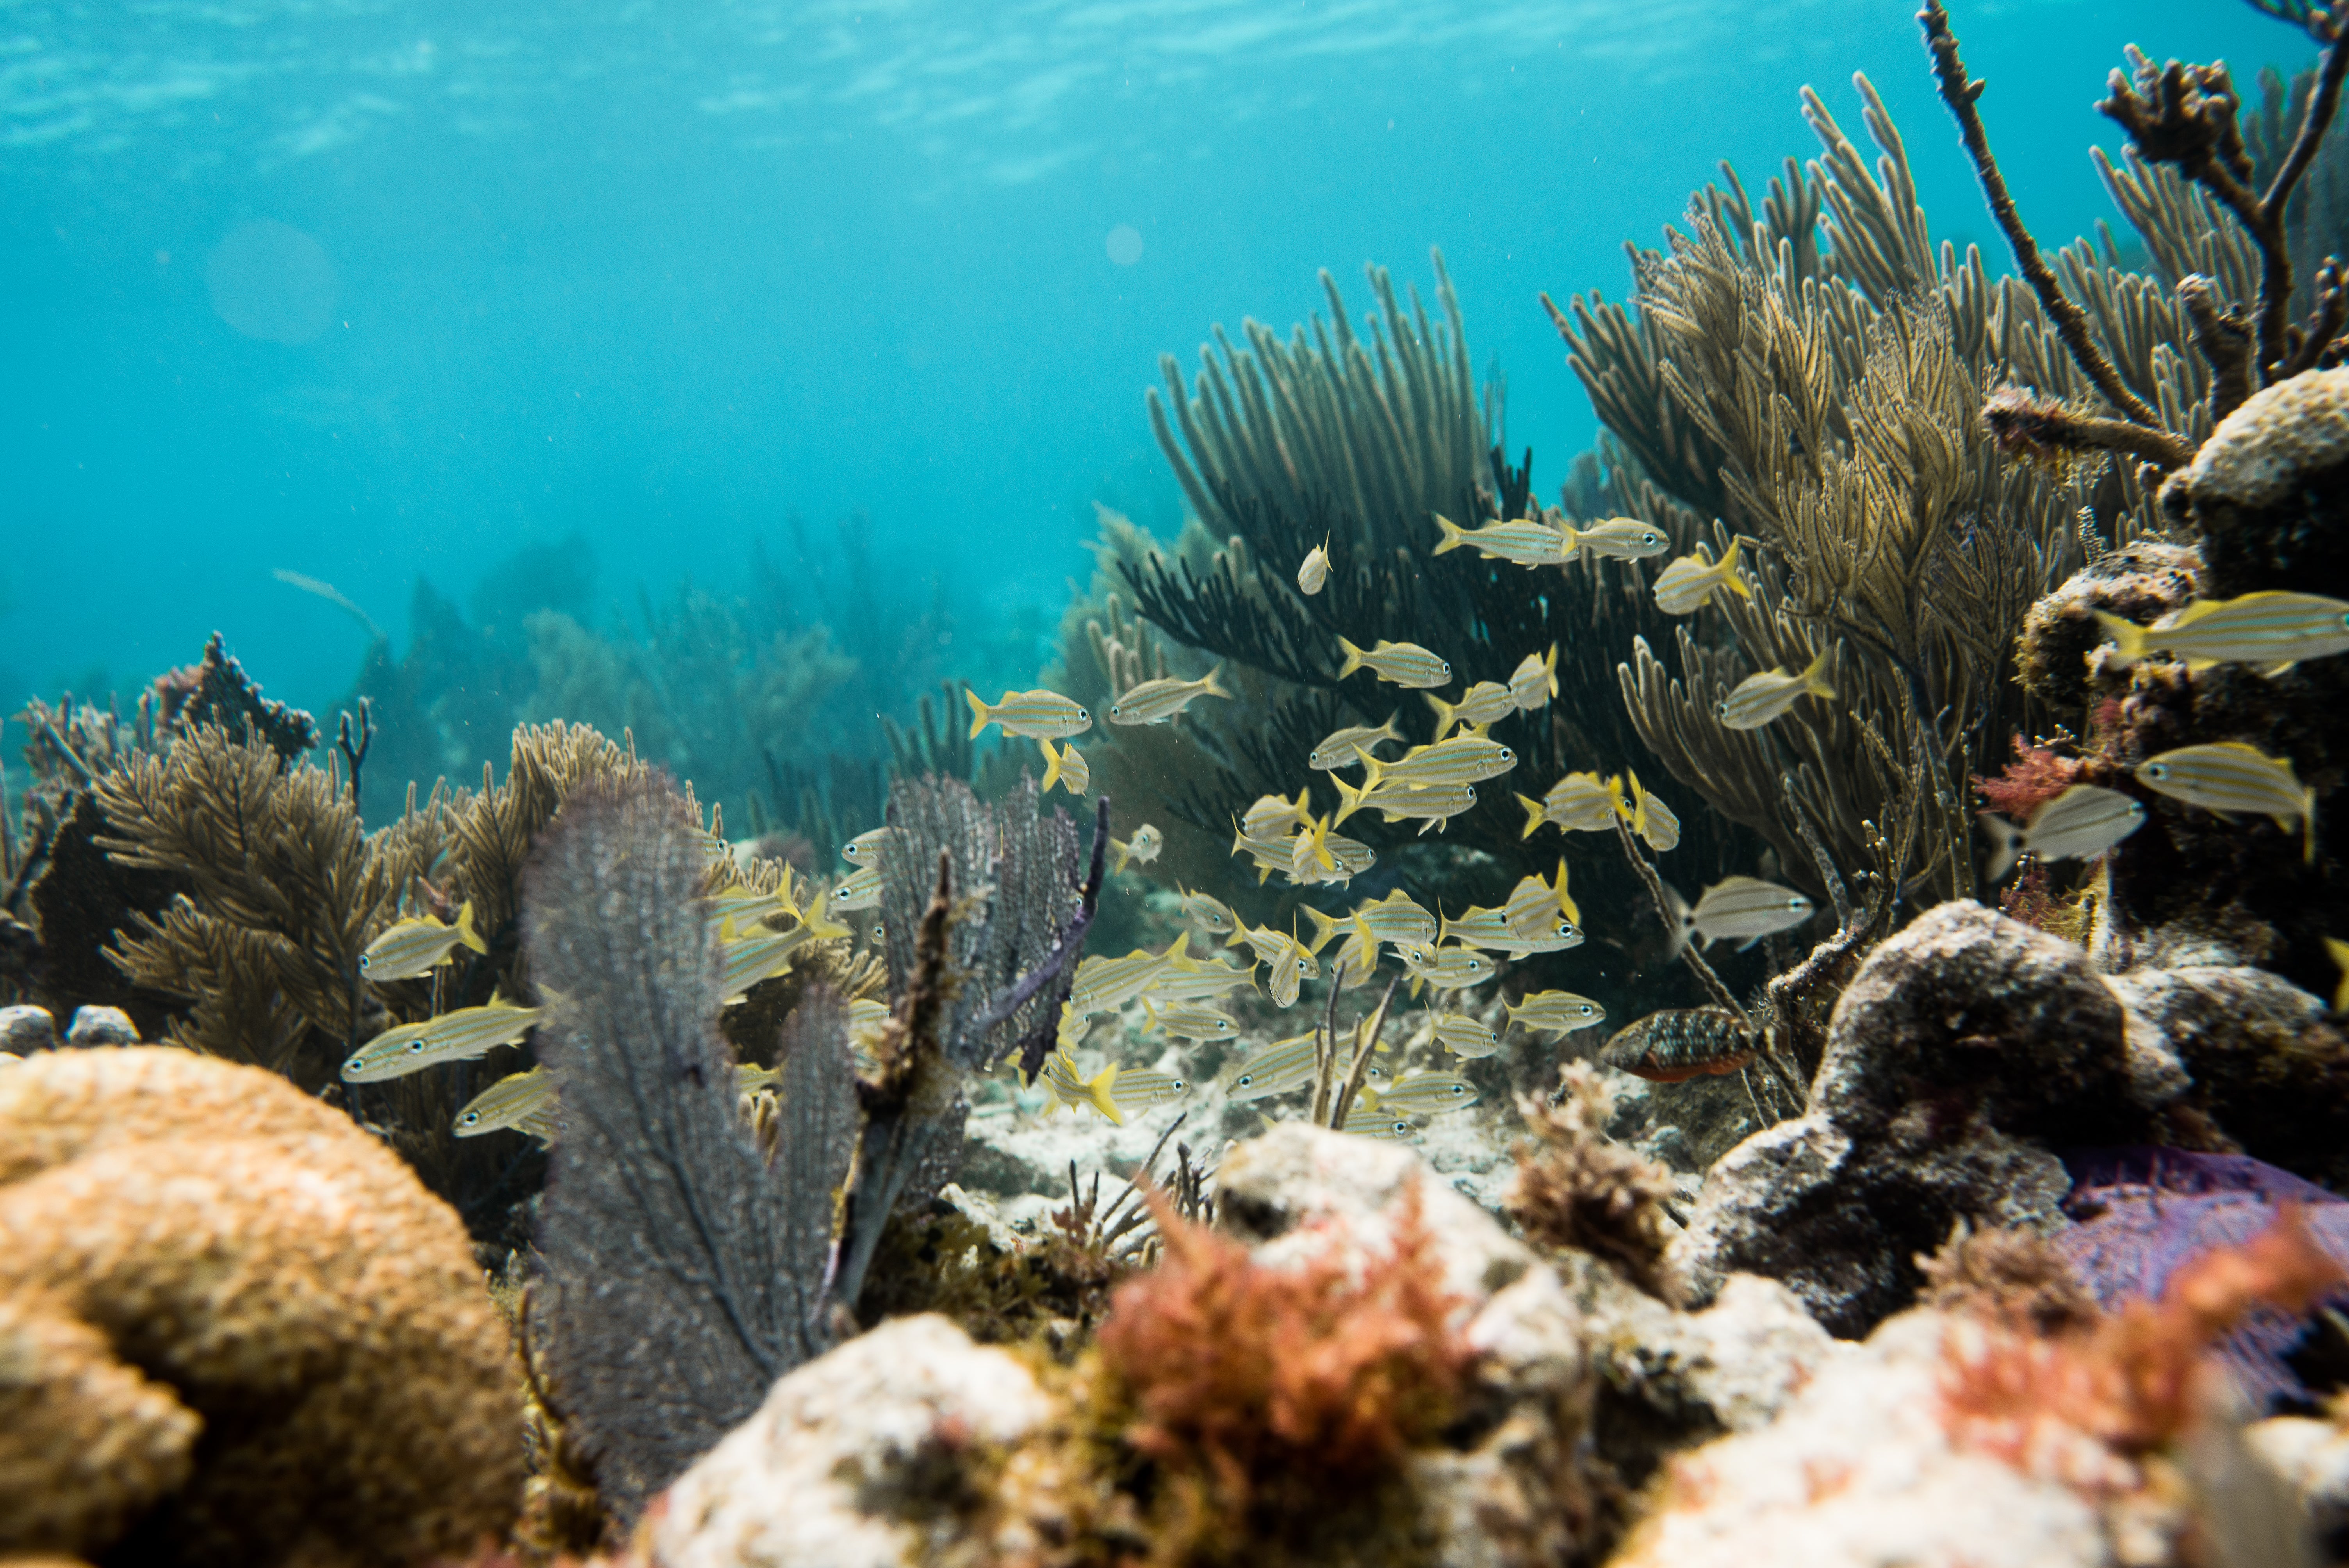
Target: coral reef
{"x": 239, "y": 1331}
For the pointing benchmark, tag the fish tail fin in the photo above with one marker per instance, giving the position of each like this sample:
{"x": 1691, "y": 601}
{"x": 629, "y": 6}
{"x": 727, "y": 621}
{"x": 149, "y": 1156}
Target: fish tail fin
{"x": 981, "y": 716}
{"x": 2128, "y": 636}
{"x": 1324, "y": 928}
{"x": 1445, "y": 713}
{"x": 1455, "y": 536}
{"x": 2338, "y": 951}
{"x": 1372, "y": 769}
{"x": 1683, "y": 923}
{"x": 1321, "y": 855}
{"x": 2006, "y": 846}
{"x": 1208, "y": 687}
{"x": 1349, "y": 800}
{"x": 1052, "y": 767}
{"x": 1639, "y": 806}
{"x": 1353, "y": 659}
{"x": 1536, "y": 815}
{"x": 1729, "y": 577}
{"x": 1565, "y": 904}
{"x": 1124, "y": 847}
{"x": 1101, "y": 1094}
{"x": 465, "y": 931}
{"x": 1387, "y": 730}
{"x": 1550, "y": 667}
{"x": 1815, "y": 678}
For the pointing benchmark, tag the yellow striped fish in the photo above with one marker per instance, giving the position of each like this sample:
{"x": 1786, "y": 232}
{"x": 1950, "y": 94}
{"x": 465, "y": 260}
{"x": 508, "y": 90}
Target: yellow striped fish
{"x": 1486, "y": 702}
{"x": 1189, "y": 1021}
{"x": 1437, "y": 803}
{"x": 1622, "y": 538}
{"x": 1652, "y": 819}
{"x": 2272, "y": 628}
{"x": 859, "y": 890}
{"x": 1462, "y": 760}
{"x": 1037, "y": 714}
{"x": 1271, "y": 1070}
{"x": 1065, "y": 768}
{"x": 1534, "y": 905}
{"x": 1424, "y": 1093}
{"x": 1155, "y": 702}
{"x": 1103, "y": 984}
{"x": 2231, "y": 776}
{"x": 1195, "y": 980}
{"x": 1684, "y": 586}
{"x": 1369, "y": 1122}
{"x": 456, "y": 1037}
{"x": 1577, "y": 803}
{"x": 1526, "y": 541}
{"x": 1535, "y": 680}
{"x": 418, "y": 945}
{"x": 1404, "y": 664}
{"x": 1314, "y": 570}
{"x": 1465, "y": 1036}
{"x": 866, "y": 847}
{"x": 1137, "y": 1089}
{"x": 1760, "y": 698}
{"x": 1067, "y": 1087}
{"x": 1447, "y": 968}
{"x": 1555, "y": 1013}
{"x": 509, "y": 1101}
{"x": 744, "y": 964}
{"x": 1273, "y": 816}
{"x": 1144, "y": 846}
{"x": 1209, "y": 914}
{"x": 1336, "y": 748}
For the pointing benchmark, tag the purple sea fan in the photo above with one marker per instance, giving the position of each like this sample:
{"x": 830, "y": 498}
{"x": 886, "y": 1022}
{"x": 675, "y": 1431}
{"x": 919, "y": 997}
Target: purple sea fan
{"x": 2146, "y": 1212}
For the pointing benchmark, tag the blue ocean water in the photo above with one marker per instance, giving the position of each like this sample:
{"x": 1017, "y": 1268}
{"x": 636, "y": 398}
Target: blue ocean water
{"x": 369, "y": 290}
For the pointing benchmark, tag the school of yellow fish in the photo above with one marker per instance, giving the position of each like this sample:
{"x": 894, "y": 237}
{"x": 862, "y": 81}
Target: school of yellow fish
{"x": 1444, "y": 956}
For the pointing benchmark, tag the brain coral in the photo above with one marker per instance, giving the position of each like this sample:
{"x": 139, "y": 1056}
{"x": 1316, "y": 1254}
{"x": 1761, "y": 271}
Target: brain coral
{"x": 234, "y": 1328}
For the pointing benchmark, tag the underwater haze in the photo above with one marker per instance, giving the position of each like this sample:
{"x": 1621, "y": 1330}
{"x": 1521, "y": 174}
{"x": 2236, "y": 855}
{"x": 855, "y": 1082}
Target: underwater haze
{"x": 376, "y": 293}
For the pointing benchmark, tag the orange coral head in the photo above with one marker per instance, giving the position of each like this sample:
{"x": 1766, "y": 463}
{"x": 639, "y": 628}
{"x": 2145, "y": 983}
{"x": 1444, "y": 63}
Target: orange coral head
{"x": 1282, "y": 1385}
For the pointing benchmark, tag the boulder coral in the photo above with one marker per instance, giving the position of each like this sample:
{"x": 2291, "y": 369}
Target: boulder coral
{"x": 235, "y": 1329}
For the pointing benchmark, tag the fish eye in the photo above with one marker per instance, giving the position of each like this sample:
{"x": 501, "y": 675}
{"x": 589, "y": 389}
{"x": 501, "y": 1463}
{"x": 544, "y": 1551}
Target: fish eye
{"x": 355, "y": 1064}
{"x": 1721, "y": 708}
{"x": 1082, "y": 713}
{"x": 1585, "y": 1009}
{"x": 1797, "y": 902}
{"x": 469, "y": 1118}
{"x": 1243, "y": 1080}
{"x": 1180, "y": 1086}
{"x": 1507, "y": 754}
{"x": 364, "y": 961}
{"x": 415, "y": 1047}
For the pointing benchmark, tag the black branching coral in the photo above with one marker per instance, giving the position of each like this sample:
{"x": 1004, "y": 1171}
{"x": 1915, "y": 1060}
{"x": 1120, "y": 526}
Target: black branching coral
{"x": 683, "y": 1273}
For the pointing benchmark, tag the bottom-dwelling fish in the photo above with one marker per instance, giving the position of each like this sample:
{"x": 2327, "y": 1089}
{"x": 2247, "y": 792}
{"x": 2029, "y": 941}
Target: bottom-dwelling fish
{"x": 1682, "y": 1043}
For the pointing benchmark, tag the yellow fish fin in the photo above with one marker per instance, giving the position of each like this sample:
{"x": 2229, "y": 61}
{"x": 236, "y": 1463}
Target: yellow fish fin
{"x": 2127, "y": 635}
{"x": 2193, "y": 613}
{"x": 1729, "y": 570}
{"x": 1455, "y": 536}
{"x": 1815, "y": 679}
{"x": 1353, "y": 659}
{"x": 1208, "y": 685}
{"x": 465, "y": 931}
{"x": 1565, "y": 904}
{"x": 1443, "y": 714}
{"x": 1324, "y": 928}
{"x": 1124, "y": 847}
{"x": 1052, "y": 767}
{"x": 2339, "y": 951}
{"x": 1536, "y": 815}
{"x": 981, "y": 716}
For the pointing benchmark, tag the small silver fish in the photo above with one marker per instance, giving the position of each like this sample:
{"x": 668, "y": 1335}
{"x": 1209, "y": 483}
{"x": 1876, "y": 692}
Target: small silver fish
{"x": 1577, "y": 803}
{"x": 746, "y": 962}
{"x": 1066, "y": 769}
{"x": 1103, "y": 984}
{"x": 867, "y": 1014}
{"x": 1283, "y": 977}
{"x": 1144, "y": 846}
{"x": 1486, "y": 702}
{"x": 1490, "y": 930}
{"x": 2231, "y": 776}
{"x": 1759, "y": 698}
{"x": 1652, "y": 819}
{"x": 1684, "y": 586}
{"x": 1037, "y": 714}
{"x": 1338, "y": 749}
{"x": 1681, "y": 1044}
{"x": 1623, "y": 537}
{"x": 1447, "y": 968}
{"x": 1209, "y": 914}
{"x": 1356, "y": 961}
{"x": 1535, "y": 680}
{"x": 1136, "y": 1089}
{"x": 1404, "y": 664}
{"x": 418, "y": 945}
{"x": 1425, "y": 1094}
{"x": 1465, "y": 1036}
{"x": 1189, "y": 1021}
{"x": 2272, "y": 628}
{"x": 1155, "y": 702}
{"x": 1195, "y": 980}
{"x": 1398, "y": 919}
{"x": 1555, "y": 1013}
{"x": 865, "y": 849}
{"x": 1526, "y": 541}
{"x": 859, "y": 890}
{"x": 1534, "y": 905}
{"x": 1315, "y": 571}
{"x": 513, "y": 1100}
{"x": 455, "y": 1037}
{"x": 2086, "y": 820}
{"x": 1353, "y": 856}
{"x": 1272, "y": 816}
{"x": 1369, "y": 1122}
{"x": 1462, "y": 760}
{"x": 1738, "y": 906}
{"x": 1435, "y": 803}
{"x": 1271, "y": 1070}
{"x": 1067, "y": 1087}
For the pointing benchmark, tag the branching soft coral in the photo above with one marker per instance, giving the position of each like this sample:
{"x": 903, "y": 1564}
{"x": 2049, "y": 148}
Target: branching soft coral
{"x": 2136, "y": 1379}
{"x": 1275, "y": 1400}
{"x": 1577, "y": 1188}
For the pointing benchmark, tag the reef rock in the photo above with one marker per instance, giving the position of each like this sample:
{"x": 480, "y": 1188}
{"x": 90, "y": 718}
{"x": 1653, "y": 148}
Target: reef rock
{"x": 852, "y": 1458}
{"x": 26, "y": 1030}
{"x": 102, "y": 1026}
{"x": 2270, "y": 491}
{"x": 1962, "y": 1046}
{"x": 1860, "y": 1471}
{"x": 239, "y": 1330}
